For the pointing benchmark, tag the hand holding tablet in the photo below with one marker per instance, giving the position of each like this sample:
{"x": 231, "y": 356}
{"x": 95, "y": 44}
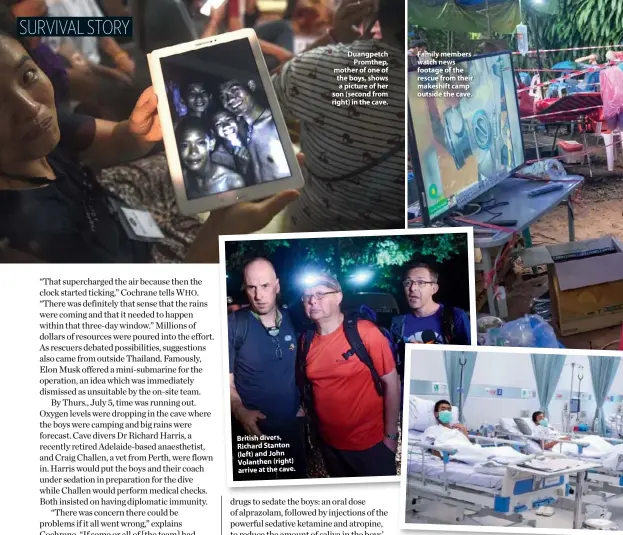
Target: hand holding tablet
{"x": 224, "y": 133}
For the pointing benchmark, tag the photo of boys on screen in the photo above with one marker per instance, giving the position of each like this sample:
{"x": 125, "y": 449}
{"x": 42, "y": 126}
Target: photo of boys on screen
{"x": 226, "y": 136}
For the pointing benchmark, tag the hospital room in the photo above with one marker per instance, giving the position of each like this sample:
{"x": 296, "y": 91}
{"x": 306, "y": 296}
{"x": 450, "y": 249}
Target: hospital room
{"x": 508, "y": 438}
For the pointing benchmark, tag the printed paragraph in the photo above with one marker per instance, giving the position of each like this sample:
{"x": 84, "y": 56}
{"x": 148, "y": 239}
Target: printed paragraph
{"x": 263, "y": 455}
{"x": 439, "y": 76}
{"x": 365, "y": 82}
{"x": 121, "y": 445}
{"x": 305, "y": 516}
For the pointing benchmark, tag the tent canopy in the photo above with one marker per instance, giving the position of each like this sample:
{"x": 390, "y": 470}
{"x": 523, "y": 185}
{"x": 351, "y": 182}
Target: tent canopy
{"x": 471, "y": 15}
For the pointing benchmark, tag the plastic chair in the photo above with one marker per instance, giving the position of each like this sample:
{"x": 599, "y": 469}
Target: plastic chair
{"x": 535, "y": 90}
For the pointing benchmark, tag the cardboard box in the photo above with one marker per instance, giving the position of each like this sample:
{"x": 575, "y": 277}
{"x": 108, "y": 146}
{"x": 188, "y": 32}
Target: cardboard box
{"x": 585, "y": 283}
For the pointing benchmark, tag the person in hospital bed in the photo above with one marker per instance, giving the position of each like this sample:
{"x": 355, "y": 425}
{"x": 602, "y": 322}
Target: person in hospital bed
{"x": 545, "y": 432}
{"x": 610, "y": 455}
{"x": 447, "y": 433}
{"x": 443, "y": 416}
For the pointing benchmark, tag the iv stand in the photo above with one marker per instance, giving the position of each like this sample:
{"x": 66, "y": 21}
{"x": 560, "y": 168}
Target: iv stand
{"x": 570, "y": 396}
{"x": 580, "y": 377}
{"x": 462, "y": 363}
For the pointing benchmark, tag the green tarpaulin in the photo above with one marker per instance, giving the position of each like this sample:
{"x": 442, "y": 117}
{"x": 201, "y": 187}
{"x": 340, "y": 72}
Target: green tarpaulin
{"x": 471, "y": 16}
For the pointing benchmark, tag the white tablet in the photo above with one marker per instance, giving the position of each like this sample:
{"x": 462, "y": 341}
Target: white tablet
{"x": 224, "y": 134}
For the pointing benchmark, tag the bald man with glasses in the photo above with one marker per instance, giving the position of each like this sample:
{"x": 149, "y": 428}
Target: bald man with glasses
{"x": 355, "y": 425}
{"x": 428, "y": 321}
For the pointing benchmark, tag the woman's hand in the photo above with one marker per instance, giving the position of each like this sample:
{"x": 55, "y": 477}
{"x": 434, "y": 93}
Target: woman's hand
{"x": 115, "y": 143}
{"x": 144, "y": 122}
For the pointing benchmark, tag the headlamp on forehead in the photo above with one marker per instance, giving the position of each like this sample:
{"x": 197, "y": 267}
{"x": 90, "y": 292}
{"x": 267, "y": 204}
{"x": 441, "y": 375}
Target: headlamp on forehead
{"x": 311, "y": 280}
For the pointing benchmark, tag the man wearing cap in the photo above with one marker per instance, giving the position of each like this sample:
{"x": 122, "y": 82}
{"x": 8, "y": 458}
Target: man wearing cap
{"x": 264, "y": 397}
{"x": 357, "y": 427}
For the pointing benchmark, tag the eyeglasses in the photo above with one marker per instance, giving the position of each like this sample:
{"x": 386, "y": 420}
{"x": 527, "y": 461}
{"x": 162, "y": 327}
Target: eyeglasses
{"x": 418, "y": 284}
{"x": 318, "y": 296}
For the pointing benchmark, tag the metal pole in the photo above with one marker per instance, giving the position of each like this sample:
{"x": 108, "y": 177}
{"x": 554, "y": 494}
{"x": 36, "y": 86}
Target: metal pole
{"x": 570, "y": 396}
{"x": 536, "y": 42}
{"x": 462, "y": 363}
{"x": 579, "y": 496}
{"x": 580, "y": 377}
{"x": 488, "y": 20}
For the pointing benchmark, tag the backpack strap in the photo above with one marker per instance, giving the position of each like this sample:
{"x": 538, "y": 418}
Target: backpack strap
{"x": 358, "y": 348}
{"x": 397, "y": 331}
{"x": 241, "y": 327}
{"x": 303, "y": 383}
{"x": 448, "y": 325}
{"x": 304, "y": 346}
{"x": 305, "y": 387}
{"x": 397, "y": 328}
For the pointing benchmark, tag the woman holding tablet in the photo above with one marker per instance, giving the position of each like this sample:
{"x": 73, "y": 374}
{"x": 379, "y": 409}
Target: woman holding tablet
{"x": 52, "y": 209}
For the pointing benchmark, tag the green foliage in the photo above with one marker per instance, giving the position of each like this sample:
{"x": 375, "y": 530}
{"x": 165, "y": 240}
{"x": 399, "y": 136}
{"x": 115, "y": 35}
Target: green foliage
{"x": 579, "y": 23}
{"x": 387, "y": 256}
{"x": 438, "y": 40}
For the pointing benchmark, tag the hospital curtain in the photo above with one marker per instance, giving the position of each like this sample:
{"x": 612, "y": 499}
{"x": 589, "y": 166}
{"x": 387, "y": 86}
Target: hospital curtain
{"x": 457, "y": 361}
{"x": 547, "y": 370}
{"x": 603, "y": 371}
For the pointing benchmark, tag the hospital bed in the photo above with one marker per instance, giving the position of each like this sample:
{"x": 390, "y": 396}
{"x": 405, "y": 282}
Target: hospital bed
{"x": 606, "y": 479}
{"x": 471, "y": 492}
{"x": 509, "y": 428}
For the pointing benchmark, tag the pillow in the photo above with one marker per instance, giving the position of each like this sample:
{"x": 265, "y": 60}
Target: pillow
{"x": 509, "y": 425}
{"x": 524, "y": 425}
{"x": 420, "y": 413}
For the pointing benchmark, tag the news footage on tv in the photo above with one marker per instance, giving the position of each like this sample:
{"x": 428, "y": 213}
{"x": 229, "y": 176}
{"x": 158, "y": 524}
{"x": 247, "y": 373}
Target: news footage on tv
{"x": 225, "y": 132}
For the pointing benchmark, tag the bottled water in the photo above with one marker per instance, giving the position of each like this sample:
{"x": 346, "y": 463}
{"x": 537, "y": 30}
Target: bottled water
{"x": 522, "y": 39}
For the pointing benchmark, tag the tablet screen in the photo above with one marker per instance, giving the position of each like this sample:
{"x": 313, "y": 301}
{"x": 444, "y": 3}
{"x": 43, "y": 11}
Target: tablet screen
{"x": 225, "y": 133}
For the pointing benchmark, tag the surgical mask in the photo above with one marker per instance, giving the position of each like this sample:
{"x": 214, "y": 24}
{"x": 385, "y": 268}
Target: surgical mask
{"x": 445, "y": 417}
{"x": 544, "y": 422}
